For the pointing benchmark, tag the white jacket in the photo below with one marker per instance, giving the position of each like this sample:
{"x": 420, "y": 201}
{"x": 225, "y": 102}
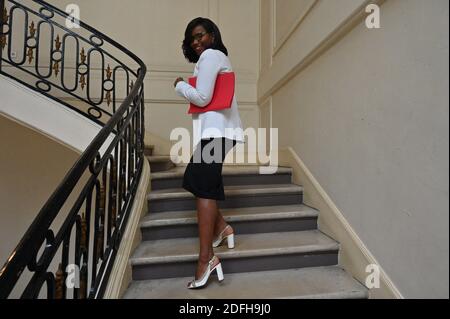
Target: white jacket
{"x": 222, "y": 123}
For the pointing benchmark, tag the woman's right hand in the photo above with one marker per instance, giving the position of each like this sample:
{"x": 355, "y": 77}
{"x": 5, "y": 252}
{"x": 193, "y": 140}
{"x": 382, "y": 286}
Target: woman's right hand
{"x": 179, "y": 79}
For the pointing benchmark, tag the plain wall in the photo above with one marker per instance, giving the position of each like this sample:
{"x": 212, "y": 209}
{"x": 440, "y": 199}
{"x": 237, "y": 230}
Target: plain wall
{"x": 31, "y": 167}
{"x": 154, "y": 30}
{"x": 369, "y": 118}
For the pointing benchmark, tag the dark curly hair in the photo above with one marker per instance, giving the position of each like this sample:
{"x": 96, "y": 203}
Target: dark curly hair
{"x": 210, "y": 27}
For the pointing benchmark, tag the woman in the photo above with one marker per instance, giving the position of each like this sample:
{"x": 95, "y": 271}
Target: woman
{"x": 216, "y": 131}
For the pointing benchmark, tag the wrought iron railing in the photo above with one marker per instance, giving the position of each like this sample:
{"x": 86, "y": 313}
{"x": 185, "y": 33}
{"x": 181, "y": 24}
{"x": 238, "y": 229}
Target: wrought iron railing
{"x": 69, "y": 249}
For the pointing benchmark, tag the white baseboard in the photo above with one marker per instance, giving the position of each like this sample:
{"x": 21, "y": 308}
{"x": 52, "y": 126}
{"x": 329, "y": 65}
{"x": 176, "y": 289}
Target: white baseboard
{"x": 354, "y": 256}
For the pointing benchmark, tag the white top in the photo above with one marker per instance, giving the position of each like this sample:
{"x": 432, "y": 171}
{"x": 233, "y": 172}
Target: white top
{"x": 222, "y": 123}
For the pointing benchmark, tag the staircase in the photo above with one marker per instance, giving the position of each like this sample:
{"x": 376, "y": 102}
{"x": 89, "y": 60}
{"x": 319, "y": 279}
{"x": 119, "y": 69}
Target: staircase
{"x": 279, "y": 251}
{"x": 158, "y": 163}
{"x": 54, "y": 91}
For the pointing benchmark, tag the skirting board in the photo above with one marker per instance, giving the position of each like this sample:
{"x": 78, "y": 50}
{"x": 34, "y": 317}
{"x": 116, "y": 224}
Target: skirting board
{"x": 120, "y": 277}
{"x": 354, "y": 256}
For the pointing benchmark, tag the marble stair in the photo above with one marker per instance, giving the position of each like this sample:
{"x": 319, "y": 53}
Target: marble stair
{"x": 279, "y": 253}
{"x": 158, "y": 163}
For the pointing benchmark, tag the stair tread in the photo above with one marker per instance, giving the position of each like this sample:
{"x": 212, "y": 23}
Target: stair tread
{"x": 229, "y": 191}
{"x": 226, "y": 170}
{"x": 158, "y": 158}
{"x": 232, "y": 215}
{"x": 315, "y": 282}
{"x": 247, "y": 245}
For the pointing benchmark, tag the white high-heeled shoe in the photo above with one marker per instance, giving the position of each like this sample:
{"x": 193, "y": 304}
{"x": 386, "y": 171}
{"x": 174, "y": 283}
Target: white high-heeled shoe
{"x": 219, "y": 240}
{"x": 204, "y": 279}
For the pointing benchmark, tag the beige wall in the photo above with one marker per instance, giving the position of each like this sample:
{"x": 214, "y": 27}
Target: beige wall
{"x": 154, "y": 30}
{"x": 31, "y": 167}
{"x": 367, "y": 112}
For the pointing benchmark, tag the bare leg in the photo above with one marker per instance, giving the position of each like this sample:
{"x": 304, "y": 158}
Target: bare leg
{"x": 220, "y": 224}
{"x": 206, "y": 215}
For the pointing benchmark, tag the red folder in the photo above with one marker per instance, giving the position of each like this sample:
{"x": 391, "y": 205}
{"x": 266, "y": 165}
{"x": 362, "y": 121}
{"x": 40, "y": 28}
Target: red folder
{"x": 223, "y": 93}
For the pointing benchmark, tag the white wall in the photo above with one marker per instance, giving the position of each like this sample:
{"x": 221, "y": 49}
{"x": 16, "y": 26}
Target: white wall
{"x": 31, "y": 167}
{"x": 154, "y": 30}
{"x": 368, "y": 115}
{"x": 47, "y": 116}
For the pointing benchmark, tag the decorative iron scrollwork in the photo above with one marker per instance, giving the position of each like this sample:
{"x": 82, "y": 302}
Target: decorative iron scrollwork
{"x": 30, "y": 55}
{"x": 5, "y": 16}
{"x": 108, "y": 72}
{"x": 32, "y": 29}
{"x": 82, "y": 81}
{"x": 58, "y": 43}
{"x": 56, "y": 68}
{"x": 3, "y": 40}
{"x": 83, "y": 242}
{"x": 58, "y": 49}
{"x": 83, "y": 56}
{"x": 83, "y": 281}
{"x": 5, "y": 19}
{"x": 99, "y": 221}
{"x": 59, "y": 283}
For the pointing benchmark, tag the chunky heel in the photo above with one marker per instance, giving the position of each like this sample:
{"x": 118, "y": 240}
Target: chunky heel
{"x": 204, "y": 279}
{"x": 219, "y": 272}
{"x": 230, "y": 241}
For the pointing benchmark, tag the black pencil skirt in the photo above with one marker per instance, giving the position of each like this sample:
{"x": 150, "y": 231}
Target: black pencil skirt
{"x": 203, "y": 174}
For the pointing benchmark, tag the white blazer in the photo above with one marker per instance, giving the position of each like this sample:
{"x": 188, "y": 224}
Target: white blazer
{"x": 222, "y": 123}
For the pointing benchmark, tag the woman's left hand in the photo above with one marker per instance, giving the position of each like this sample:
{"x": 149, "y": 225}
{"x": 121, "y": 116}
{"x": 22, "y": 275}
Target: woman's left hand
{"x": 177, "y": 80}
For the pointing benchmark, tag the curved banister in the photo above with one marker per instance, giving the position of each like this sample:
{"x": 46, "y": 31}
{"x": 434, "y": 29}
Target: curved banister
{"x": 53, "y": 85}
{"x": 107, "y": 195}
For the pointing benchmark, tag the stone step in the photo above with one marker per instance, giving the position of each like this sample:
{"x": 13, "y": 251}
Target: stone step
{"x": 176, "y": 199}
{"x": 159, "y": 158}
{"x": 160, "y": 163}
{"x": 170, "y": 258}
{"x": 247, "y": 220}
{"x": 148, "y": 150}
{"x": 330, "y": 282}
{"x": 232, "y": 175}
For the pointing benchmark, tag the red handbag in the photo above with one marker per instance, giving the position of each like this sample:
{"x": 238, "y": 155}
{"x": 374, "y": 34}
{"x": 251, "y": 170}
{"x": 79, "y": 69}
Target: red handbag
{"x": 222, "y": 96}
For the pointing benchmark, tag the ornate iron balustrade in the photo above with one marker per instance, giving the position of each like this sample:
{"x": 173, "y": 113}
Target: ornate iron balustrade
{"x": 76, "y": 66}
{"x": 71, "y": 245}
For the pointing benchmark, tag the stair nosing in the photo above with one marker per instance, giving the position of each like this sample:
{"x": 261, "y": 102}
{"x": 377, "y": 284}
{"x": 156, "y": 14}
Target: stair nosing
{"x": 307, "y": 213}
{"x": 159, "y": 158}
{"x": 169, "y": 175}
{"x": 245, "y": 190}
{"x": 235, "y": 253}
{"x": 139, "y": 261}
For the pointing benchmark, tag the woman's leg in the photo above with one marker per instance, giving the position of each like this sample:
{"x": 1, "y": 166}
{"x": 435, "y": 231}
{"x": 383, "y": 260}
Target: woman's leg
{"x": 220, "y": 225}
{"x": 206, "y": 215}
